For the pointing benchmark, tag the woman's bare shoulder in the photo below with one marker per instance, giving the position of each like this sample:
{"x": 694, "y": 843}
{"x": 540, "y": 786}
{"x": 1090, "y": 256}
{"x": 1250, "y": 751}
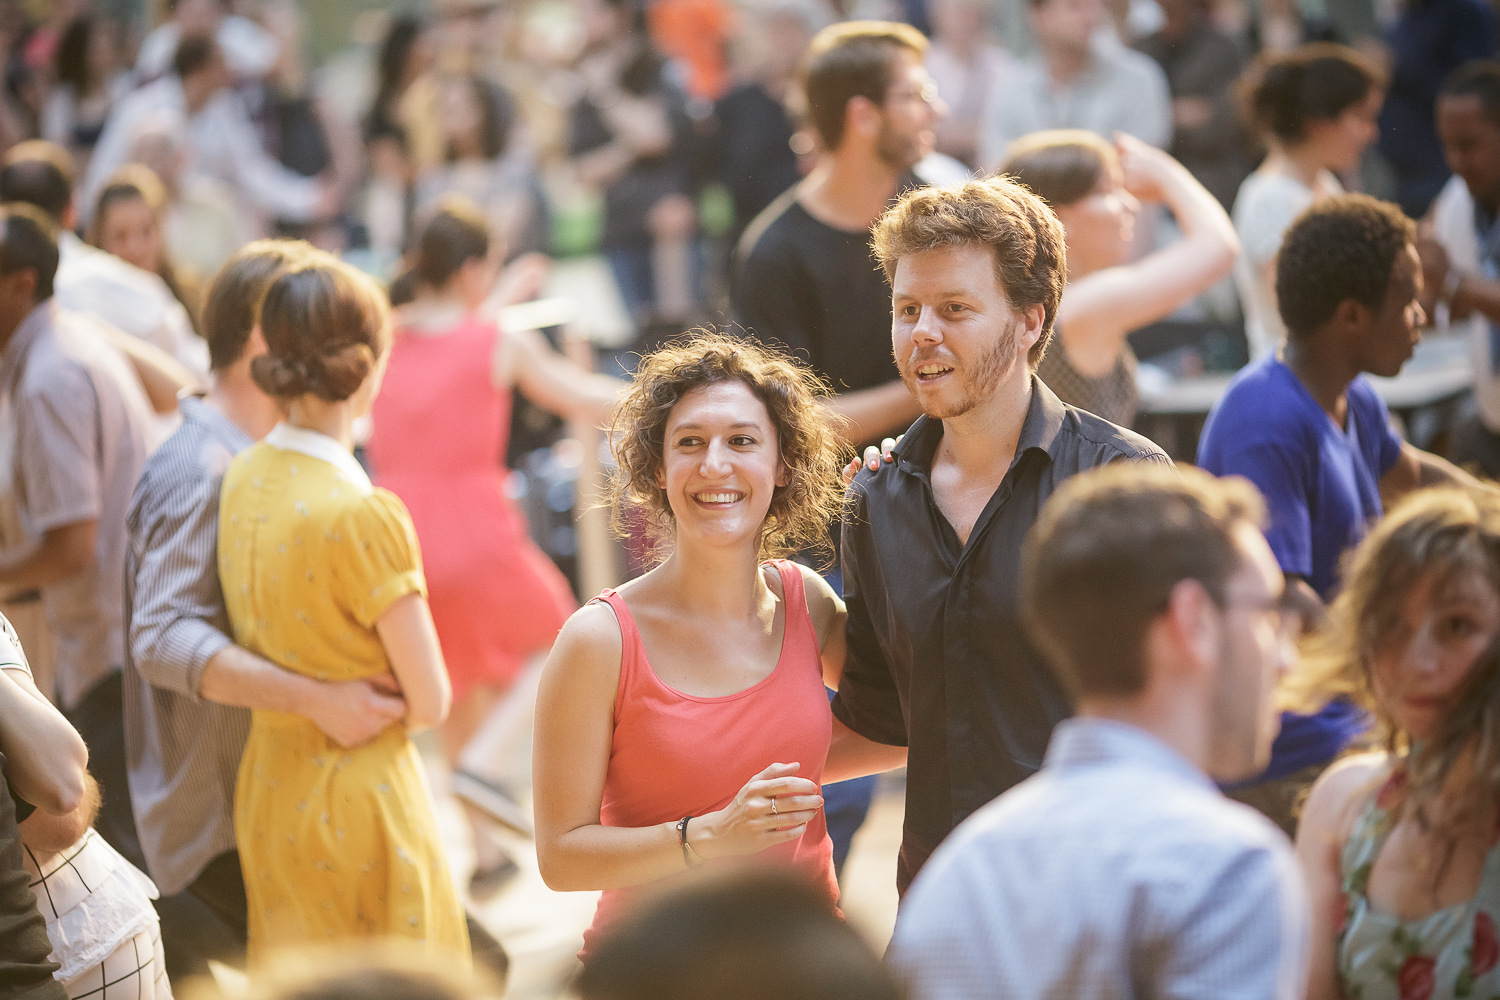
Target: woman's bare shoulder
{"x": 589, "y": 641}
{"x": 1343, "y": 789}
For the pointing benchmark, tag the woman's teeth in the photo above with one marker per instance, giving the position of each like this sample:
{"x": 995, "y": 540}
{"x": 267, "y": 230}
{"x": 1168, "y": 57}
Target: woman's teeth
{"x": 717, "y": 497}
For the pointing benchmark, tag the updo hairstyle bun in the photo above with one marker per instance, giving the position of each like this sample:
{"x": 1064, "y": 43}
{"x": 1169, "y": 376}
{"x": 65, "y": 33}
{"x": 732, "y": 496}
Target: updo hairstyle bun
{"x": 1314, "y": 82}
{"x": 325, "y": 326}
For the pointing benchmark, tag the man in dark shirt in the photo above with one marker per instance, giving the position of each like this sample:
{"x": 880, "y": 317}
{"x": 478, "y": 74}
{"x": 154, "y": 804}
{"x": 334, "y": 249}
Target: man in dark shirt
{"x": 805, "y": 276}
{"x": 937, "y": 661}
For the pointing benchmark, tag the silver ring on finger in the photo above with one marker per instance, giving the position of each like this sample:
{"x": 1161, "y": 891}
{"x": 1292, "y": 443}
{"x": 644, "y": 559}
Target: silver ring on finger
{"x": 773, "y": 806}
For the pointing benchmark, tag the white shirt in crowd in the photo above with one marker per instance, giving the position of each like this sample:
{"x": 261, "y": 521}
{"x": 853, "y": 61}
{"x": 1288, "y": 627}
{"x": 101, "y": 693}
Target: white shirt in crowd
{"x": 1121, "y": 91}
{"x": 222, "y": 145}
{"x": 127, "y": 298}
{"x": 1117, "y": 871}
{"x": 1455, "y": 227}
{"x": 1264, "y": 208}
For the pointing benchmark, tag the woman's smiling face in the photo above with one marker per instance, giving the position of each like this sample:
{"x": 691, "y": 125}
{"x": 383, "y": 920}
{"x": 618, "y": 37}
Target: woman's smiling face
{"x": 721, "y": 464}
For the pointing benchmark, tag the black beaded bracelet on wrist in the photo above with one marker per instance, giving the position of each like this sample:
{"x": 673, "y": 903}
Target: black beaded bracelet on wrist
{"x": 689, "y": 856}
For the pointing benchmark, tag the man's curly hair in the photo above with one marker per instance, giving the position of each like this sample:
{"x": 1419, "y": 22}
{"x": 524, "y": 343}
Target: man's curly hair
{"x": 793, "y": 396}
{"x": 1340, "y": 248}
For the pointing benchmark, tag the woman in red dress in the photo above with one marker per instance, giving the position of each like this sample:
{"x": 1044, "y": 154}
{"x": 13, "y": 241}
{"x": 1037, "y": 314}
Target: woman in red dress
{"x": 440, "y": 428}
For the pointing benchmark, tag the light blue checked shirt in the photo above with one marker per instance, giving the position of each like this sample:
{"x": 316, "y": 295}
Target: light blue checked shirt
{"x": 1117, "y": 871}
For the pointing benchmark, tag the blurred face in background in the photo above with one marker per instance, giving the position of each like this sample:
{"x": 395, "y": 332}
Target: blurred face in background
{"x": 1101, "y": 225}
{"x": 1342, "y": 140}
{"x": 1068, "y": 25}
{"x": 461, "y": 117}
{"x": 960, "y": 23}
{"x": 130, "y": 230}
{"x": 910, "y": 113}
{"x": 1471, "y": 144}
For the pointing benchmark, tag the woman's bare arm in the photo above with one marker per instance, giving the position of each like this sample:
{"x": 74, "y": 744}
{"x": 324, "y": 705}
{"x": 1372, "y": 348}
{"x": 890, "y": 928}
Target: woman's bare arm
{"x": 411, "y": 645}
{"x": 1099, "y": 309}
{"x": 551, "y": 381}
{"x": 45, "y": 756}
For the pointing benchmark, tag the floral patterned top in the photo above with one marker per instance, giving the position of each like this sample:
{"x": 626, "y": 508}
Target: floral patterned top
{"x": 1454, "y": 952}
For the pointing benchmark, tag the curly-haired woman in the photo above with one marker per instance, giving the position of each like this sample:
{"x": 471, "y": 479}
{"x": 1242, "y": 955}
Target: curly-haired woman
{"x": 682, "y": 719}
{"x": 1400, "y": 845}
{"x": 322, "y": 576}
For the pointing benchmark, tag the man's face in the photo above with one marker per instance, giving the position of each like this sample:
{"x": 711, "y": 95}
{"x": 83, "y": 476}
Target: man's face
{"x": 955, "y": 336}
{"x": 1471, "y": 144}
{"x": 908, "y": 114}
{"x": 1257, "y": 646}
{"x": 1067, "y": 24}
{"x": 1393, "y": 331}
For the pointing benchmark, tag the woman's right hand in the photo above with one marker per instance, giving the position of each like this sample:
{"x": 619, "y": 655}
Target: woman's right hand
{"x": 749, "y": 825}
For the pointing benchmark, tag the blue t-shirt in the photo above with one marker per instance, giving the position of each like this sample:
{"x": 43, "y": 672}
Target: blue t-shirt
{"x": 1321, "y": 484}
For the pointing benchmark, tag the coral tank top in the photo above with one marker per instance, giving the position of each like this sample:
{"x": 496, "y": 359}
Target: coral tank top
{"x": 677, "y": 754}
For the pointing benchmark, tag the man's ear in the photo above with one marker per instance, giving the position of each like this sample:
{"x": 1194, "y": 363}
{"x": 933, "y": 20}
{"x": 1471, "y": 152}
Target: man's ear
{"x": 1030, "y": 331}
{"x": 1352, "y": 315}
{"x": 70, "y": 217}
{"x": 861, "y": 117}
{"x": 1192, "y": 624}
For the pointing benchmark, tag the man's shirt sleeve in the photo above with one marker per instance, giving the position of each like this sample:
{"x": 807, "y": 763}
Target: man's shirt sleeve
{"x": 1243, "y": 938}
{"x": 57, "y": 453}
{"x": 868, "y": 700}
{"x": 174, "y": 533}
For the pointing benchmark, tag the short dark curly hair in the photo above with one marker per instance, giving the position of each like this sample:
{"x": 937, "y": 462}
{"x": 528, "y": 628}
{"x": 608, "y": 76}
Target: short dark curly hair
{"x": 794, "y": 398}
{"x": 1341, "y": 248}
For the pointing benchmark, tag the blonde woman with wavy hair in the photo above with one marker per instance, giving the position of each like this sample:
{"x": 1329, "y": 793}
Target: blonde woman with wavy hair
{"x": 1399, "y": 844}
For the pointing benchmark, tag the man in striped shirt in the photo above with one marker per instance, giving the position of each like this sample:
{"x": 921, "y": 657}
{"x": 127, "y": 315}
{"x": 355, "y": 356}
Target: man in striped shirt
{"x": 188, "y": 687}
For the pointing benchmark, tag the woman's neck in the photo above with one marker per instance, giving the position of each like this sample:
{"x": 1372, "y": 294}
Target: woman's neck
{"x": 1301, "y": 163}
{"x": 710, "y": 582}
{"x": 335, "y": 420}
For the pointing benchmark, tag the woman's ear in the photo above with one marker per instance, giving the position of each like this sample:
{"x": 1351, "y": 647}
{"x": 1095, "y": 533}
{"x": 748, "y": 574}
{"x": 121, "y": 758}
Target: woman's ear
{"x": 783, "y": 474}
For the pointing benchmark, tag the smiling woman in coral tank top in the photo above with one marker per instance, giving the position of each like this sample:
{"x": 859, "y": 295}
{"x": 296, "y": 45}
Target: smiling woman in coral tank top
{"x": 682, "y": 719}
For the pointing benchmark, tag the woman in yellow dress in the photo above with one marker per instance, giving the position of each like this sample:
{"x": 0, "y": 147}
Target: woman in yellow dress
{"x": 322, "y": 575}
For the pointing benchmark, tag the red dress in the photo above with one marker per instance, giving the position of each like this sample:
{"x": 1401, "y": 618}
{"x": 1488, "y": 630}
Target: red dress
{"x": 439, "y": 444}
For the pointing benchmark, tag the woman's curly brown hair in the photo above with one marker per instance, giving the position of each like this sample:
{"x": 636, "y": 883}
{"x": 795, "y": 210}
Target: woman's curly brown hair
{"x": 793, "y": 396}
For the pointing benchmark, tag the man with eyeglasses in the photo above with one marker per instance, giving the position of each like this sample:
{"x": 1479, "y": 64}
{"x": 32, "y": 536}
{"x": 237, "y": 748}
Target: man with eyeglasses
{"x": 1307, "y": 428}
{"x": 1120, "y": 870}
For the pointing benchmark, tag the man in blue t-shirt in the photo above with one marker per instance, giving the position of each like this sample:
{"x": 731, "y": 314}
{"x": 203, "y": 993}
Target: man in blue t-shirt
{"x": 1310, "y": 431}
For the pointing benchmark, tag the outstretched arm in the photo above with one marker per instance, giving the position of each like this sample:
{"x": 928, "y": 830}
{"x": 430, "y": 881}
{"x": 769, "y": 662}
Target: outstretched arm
{"x": 552, "y": 381}
{"x": 1099, "y": 309}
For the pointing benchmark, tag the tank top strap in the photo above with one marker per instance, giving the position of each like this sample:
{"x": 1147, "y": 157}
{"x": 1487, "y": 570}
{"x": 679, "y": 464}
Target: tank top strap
{"x": 801, "y": 637}
{"x": 632, "y": 650}
{"x": 1368, "y": 835}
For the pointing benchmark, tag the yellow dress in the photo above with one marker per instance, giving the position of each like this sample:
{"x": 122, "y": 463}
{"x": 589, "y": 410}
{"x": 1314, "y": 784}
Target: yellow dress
{"x": 334, "y": 843}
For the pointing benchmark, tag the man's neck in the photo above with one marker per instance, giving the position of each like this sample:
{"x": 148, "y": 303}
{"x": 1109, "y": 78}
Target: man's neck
{"x": 1323, "y": 369}
{"x": 1065, "y": 63}
{"x": 237, "y": 397}
{"x": 1185, "y": 731}
{"x": 982, "y": 442}
{"x": 849, "y": 189}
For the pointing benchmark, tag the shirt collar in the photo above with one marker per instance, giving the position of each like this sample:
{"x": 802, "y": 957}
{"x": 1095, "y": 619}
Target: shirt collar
{"x": 194, "y": 407}
{"x": 1041, "y": 430}
{"x": 322, "y": 447}
{"x": 36, "y": 323}
{"x": 1083, "y": 741}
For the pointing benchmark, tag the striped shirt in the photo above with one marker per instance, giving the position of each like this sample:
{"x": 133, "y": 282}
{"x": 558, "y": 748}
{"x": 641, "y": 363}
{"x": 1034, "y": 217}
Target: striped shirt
{"x": 1118, "y": 871}
{"x": 183, "y": 750}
